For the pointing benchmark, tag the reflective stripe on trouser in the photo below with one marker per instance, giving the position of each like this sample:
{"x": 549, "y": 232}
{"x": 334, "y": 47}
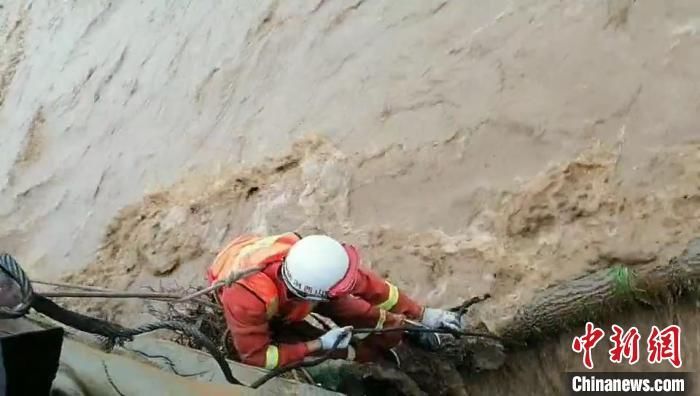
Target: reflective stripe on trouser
{"x": 378, "y": 326}
{"x": 393, "y": 298}
{"x": 351, "y": 353}
{"x": 272, "y": 357}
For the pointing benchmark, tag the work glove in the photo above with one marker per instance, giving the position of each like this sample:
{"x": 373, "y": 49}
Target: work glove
{"x": 426, "y": 339}
{"x": 440, "y": 318}
{"x": 329, "y": 339}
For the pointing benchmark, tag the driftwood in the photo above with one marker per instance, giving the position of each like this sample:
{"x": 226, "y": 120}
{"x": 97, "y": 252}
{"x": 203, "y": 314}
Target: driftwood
{"x": 602, "y": 293}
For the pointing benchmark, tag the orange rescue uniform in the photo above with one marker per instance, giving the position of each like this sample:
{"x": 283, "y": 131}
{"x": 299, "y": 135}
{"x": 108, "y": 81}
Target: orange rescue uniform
{"x": 252, "y": 303}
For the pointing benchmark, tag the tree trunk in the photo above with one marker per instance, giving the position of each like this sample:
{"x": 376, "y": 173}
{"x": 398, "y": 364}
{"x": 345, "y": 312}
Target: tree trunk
{"x": 601, "y": 293}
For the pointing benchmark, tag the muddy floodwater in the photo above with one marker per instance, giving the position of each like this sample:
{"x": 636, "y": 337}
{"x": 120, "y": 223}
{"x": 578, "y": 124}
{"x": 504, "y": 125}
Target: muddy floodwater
{"x": 466, "y": 147}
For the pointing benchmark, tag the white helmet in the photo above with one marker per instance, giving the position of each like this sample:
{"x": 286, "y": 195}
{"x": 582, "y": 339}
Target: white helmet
{"x": 314, "y": 265}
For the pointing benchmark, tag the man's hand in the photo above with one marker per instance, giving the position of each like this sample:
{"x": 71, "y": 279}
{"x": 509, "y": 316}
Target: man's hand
{"x": 437, "y": 318}
{"x": 328, "y": 340}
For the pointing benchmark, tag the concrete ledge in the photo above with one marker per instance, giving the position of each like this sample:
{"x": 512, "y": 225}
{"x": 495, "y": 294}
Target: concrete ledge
{"x": 150, "y": 366}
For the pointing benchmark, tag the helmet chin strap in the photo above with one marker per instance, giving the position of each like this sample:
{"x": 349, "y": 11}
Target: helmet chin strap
{"x": 297, "y": 293}
{"x": 304, "y": 296}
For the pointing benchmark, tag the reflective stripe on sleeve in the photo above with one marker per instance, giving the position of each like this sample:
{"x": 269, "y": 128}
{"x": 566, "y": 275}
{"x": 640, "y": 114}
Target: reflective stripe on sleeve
{"x": 378, "y": 326}
{"x": 381, "y": 320}
{"x": 272, "y": 357}
{"x": 392, "y": 299}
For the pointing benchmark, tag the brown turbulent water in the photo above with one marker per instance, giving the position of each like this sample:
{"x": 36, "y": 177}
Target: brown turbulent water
{"x": 466, "y": 147}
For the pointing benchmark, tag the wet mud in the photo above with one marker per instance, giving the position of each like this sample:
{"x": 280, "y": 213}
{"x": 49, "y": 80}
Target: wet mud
{"x": 464, "y": 148}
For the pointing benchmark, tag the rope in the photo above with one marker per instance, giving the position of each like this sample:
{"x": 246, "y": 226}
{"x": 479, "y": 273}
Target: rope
{"x": 163, "y": 297}
{"x": 99, "y": 292}
{"x": 622, "y": 280}
{"x": 231, "y": 279}
{"x": 327, "y": 355}
{"x": 115, "y": 333}
{"x": 459, "y": 333}
{"x": 70, "y": 286}
{"x": 12, "y": 269}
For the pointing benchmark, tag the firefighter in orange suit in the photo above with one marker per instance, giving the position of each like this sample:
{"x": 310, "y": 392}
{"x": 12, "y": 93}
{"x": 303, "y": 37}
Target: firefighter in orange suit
{"x": 300, "y": 275}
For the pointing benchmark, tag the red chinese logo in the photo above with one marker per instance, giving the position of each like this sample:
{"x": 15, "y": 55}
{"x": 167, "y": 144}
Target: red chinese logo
{"x": 626, "y": 344}
{"x": 587, "y": 342}
{"x": 665, "y": 345}
{"x": 661, "y": 345}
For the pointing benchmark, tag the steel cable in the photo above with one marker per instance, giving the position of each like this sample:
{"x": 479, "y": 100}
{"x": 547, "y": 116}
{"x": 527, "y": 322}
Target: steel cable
{"x": 115, "y": 333}
{"x": 12, "y": 269}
